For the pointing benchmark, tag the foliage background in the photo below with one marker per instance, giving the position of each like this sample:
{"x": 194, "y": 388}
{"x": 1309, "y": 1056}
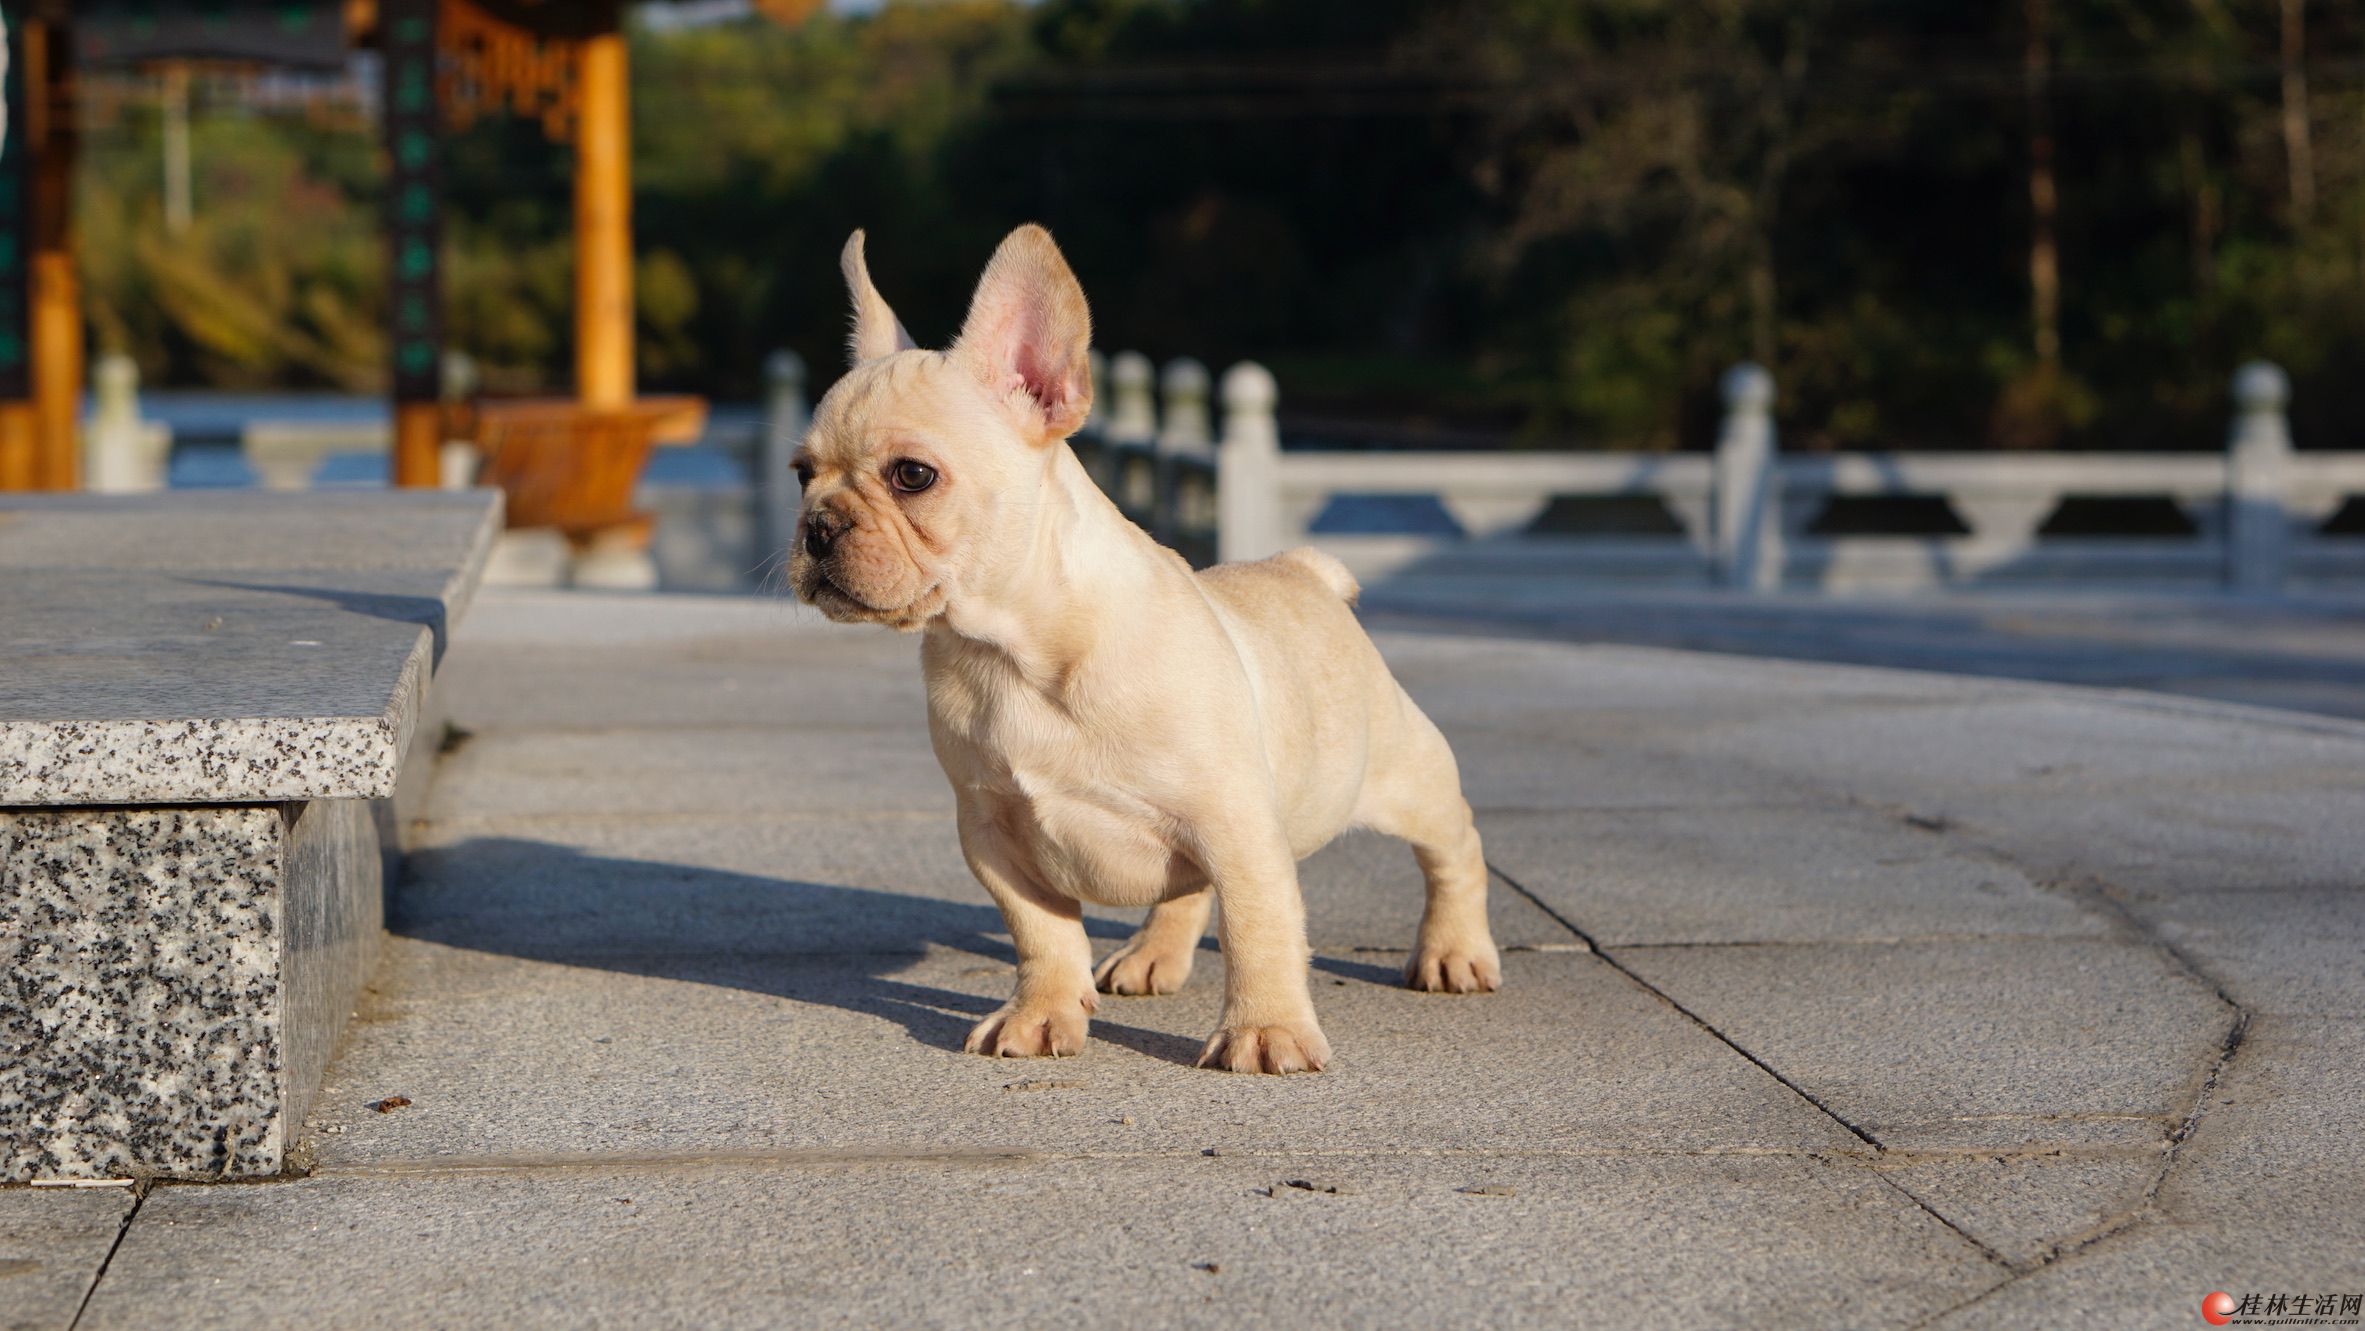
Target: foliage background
{"x": 1530, "y": 220}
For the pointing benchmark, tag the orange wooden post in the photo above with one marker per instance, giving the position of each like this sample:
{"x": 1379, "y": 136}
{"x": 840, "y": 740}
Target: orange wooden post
{"x": 56, "y": 322}
{"x": 418, "y": 444}
{"x": 16, "y": 445}
{"x": 603, "y": 216}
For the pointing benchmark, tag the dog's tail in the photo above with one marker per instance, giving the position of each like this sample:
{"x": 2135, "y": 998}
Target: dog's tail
{"x": 1326, "y": 570}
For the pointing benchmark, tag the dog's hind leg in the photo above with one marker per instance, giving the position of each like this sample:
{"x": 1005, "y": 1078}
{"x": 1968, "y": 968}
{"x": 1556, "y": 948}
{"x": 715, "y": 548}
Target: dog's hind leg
{"x": 1414, "y": 792}
{"x": 1157, "y": 959}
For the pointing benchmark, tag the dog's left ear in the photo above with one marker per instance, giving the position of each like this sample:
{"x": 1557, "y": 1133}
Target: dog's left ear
{"x": 1028, "y": 335}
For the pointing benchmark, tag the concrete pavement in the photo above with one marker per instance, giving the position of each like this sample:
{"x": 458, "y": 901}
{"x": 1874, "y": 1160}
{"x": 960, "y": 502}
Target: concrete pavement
{"x": 1834, "y": 997}
{"x": 2303, "y": 653}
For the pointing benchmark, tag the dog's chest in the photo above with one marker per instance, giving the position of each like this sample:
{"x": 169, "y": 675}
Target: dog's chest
{"x": 1073, "y": 807}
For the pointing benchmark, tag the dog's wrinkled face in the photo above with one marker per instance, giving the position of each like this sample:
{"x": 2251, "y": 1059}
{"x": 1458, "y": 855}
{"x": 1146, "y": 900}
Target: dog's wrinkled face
{"x": 922, "y": 469}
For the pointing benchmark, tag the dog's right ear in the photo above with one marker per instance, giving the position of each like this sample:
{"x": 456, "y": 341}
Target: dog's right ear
{"x": 1029, "y": 333}
{"x": 877, "y": 332}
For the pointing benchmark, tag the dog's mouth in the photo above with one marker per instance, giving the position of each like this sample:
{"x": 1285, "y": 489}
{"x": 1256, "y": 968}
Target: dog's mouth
{"x": 835, "y": 601}
{"x": 825, "y": 592}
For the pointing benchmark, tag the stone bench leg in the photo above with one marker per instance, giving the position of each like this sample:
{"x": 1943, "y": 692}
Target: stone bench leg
{"x": 173, "y": 980}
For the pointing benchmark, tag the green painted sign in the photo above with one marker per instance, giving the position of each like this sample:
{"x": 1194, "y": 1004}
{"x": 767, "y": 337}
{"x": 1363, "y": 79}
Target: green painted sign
{"x": 278, "y": 32}
{"x": 414, "y": 217}
{"x": 16, "y": 274}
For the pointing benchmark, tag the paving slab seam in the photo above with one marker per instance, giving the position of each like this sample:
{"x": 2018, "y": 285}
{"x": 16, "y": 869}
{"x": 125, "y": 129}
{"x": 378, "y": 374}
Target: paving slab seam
{"x": 139, "y": 1197}
{"x": 1878, "y": 1150}
{"x": 2107, "y": 903}
{"x": 1922, "y": 1155}
{"x": 1654, "y": 991}
{"x": 1825, "y": 795}
{"x": 2099, "y": 899}
{"x": 1864, "y": 940}
{"x": 1481, "y": 811}
{"x": 822, "y": 1158}
{"x": 2229, "y": 1045}
{"x": 2113, "y": 903}
{"x": 1986, "y": 688}
{"x": 2113, "y": 1226}
{"x": 599, "y": 960}
{"x": 496, "y": 822}
{"x": 434, "y": 1167}
{"x": 1863, "y": 1165}
{"x": 482, "y": 730}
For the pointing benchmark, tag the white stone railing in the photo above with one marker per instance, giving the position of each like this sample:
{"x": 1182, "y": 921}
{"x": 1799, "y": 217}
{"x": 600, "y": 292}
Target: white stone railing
{"x": 122, "y": 453}
{"x": 1743, "y": 514}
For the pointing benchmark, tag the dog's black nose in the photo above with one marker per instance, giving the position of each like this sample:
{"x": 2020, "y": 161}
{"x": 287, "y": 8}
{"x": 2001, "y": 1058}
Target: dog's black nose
{"x": 823, "y": 527}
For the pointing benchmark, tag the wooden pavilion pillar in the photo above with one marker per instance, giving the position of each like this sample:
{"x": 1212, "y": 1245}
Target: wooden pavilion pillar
{"x": 57, "y": 288}
{"x": 40, "y": 295}
{"x": 603, "y": 215}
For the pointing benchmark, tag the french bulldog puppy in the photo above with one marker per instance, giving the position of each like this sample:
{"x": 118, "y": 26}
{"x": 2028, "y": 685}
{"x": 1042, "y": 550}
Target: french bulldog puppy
{"x": 1118, "y": 729}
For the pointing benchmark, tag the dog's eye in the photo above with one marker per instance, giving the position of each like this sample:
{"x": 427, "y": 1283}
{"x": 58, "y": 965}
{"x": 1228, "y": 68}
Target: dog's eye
{"x": 911, "y": 477}
{"x": 804, "y": 471}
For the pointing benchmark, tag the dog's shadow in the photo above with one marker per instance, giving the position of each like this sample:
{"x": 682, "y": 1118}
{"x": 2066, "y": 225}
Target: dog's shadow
{"x": 819, "y": 943}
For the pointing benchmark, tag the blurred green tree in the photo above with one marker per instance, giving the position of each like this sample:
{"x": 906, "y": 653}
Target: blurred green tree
{"x": 1502, "y": 218}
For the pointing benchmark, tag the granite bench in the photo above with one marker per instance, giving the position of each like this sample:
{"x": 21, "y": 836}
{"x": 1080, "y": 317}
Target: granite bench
{"x": 213, "y": 706}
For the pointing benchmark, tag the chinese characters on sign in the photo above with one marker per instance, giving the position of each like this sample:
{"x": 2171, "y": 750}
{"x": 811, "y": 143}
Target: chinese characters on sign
{"x": 2223, "y": 1309}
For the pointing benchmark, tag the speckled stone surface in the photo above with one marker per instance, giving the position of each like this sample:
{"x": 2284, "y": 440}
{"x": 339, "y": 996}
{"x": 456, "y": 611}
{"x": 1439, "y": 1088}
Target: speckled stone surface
{"x": 172, "y": 982}
{"x": 223, "y": 649}
{"x": 135, "y": 688}
{"x": 138, "y": 1026}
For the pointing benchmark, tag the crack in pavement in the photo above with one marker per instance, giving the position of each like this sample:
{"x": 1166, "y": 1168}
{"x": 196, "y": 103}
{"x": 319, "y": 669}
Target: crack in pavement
{"x": 1662, "y": 995}
{"x": 1794, "y": 1088}
{"x": 2112, "y": 1226}
{"x": 892, "y": 1155}
{"x": 2103, "y": 899}
{"x": 139, "y": 1198}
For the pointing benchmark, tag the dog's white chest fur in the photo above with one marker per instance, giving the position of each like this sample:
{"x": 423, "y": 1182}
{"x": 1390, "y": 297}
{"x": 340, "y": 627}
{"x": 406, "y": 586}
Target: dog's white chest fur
{"x": 1067, "y": 801}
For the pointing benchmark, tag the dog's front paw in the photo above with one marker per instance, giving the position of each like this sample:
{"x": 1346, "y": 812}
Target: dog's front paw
{"x": 1138, "y": 968}
{"x": 1459, "y": 967}
{"x": 1024, "y": 1029}
{"x": 1295, "y": 1046}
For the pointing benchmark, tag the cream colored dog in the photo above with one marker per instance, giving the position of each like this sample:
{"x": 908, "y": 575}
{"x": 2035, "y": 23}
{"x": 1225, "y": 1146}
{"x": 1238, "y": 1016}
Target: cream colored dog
{"x": 1117, "y": 728}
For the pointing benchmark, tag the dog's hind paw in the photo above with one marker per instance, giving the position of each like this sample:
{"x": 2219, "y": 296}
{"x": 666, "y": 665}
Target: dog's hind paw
{"x": 1454, "y": 969}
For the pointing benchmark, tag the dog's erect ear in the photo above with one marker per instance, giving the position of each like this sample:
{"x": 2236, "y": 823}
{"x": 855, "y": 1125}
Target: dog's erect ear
{"x": 877, "y": 332}
{"x": 1028, "y": 334}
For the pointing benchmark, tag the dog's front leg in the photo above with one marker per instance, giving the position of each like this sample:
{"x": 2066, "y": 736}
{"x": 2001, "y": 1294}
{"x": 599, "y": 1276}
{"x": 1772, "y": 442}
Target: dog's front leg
{"x": 1054, "y": 1001}
{"x": 1268, "y": 1019}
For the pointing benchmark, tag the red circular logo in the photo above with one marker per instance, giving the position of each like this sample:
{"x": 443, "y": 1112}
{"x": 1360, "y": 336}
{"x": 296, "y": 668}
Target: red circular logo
{"x": 2218, "y": 1308}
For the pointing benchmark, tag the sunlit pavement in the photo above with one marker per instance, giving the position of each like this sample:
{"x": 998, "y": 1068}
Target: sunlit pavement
{"x": 1835, "y": 997}
{"x": 2303, "y": 653}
